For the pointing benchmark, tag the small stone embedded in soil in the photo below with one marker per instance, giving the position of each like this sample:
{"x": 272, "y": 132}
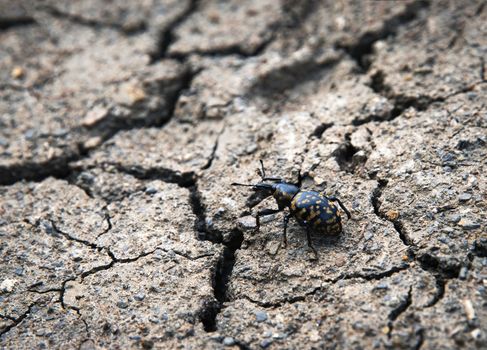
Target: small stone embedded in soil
{"x": 122, "y": 304}
{"x": 228, "y": 341}
{"x": 247, "y": 222}
{"x": 392, "y": 214}
{"x": 469, "y": 224}
{"x": 454, "y": 218}
{"x": 139, "y": 296}
{"x": 273, "y": 247}
{"x": 7, "y": 285}
{"x": 469, "y": 309}
{"x": 260, "y": 316}
{"x": 464, "y": 197}
{"x": 151, "y": 190}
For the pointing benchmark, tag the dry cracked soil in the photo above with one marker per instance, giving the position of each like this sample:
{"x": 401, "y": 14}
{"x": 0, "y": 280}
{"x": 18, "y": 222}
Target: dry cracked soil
{"x": 123, "y": 125}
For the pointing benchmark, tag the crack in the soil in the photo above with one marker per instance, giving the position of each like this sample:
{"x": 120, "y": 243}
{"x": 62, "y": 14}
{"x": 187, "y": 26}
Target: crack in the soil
{"x": 448, "y": 269}
{"x": 440, "y": 283}
{"x": 403, "y": 305}
{"x": 185, "y": 179}
{"x": 7, "y": 317}
{"x": 363, "y": 47}
{"x": 166, "y": 37}
{"x": 80, "y": 20}
{"x": 341, "y": 277}
{"x": 81, "y": 318}
{"x": 401, "y": 308}
{"x": 7, "y": 23}
{"x": 420, "y": 334}
{"x": 31, "y": 171}
{"x": 59, "y": 167}
{"x": 50, "y": 226}
{"x": 320, "y": 129}
{"x": 402, "y": 102}
{"x": 214, "y": 149}
{"x": 297, "y": 14}
{"x": 235, "y": 50}
{"x": 18, "y": 320}
{"x": 204, "y": 230}
{"x": 221, "y": 278}
{"x": 108, "y": 219}
{"x": 397, "y": 224}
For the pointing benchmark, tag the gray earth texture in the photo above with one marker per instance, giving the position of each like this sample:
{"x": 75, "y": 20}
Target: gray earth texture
{"x": 123, "y": 125}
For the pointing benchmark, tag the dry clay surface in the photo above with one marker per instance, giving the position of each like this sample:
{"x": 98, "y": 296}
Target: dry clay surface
{"x": 123, "y": 125}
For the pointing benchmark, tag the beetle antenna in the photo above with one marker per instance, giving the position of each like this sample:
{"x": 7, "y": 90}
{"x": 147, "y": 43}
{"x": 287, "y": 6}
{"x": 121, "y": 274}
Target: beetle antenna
{"x": 262, "y": 170}
{"x": 260, "y": 186}
{"x": 237, "y": 184}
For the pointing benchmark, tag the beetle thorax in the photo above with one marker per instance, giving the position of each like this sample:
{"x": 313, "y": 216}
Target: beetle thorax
{"x": 284, "y": 193}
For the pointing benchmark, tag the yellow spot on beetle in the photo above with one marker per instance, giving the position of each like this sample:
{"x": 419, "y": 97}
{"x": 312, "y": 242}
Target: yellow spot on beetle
{"x": 312, "y": 215}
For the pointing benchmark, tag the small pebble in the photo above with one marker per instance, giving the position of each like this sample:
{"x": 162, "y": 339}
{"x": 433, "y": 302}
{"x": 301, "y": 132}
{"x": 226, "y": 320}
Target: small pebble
{"x": 265, "y": 343}
{"x": 368, "y": 235}
{"x": 139, "y": 296}
{"x": 468, "y": 224}
{"x": 273, "y": 247}
{"x": 7, "y": 285}
{"x": 463, "y": 273}
{"x": 392, "y": 214}
{"x": 154, "y": 320}
{"x": 17, "y": 72}
{"x": 454, "y": 218}
{"x": 247, "y": 222}
{"x": 228, "y": 341}
{"x": 87, "y": 177}
{"x": 443, "y": 239}
{"x": 122, "y": 304}
{"x": 464, "y": 197}
{"x": 150, "y": 190}
{"x": 260, "y": 316}
{"x": 469, "y": 310}
{"x": 476, "y": 333}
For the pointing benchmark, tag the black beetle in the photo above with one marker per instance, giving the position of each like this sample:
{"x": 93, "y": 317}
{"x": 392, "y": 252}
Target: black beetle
{"x": 312, "y": 210}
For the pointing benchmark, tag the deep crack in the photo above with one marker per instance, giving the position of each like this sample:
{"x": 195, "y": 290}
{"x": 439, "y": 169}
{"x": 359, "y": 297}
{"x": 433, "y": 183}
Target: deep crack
{"x": 7, "y": 23}
{"x": 166, "y": 37}
{"x": 404, "y": 304}
{"x": 440, "y": 290}
{"x": 221, "y": 278}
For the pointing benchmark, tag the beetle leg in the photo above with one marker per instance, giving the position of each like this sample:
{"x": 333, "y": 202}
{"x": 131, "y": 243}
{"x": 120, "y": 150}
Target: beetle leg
{"x": 308, "y": 236}
{"x": 284, "y": 237}
{"x": 264, "y": 212}
{"x": 334, "y": 199}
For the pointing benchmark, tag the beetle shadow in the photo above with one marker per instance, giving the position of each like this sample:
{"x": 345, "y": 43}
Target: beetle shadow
{"x": 325, "y": 241}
